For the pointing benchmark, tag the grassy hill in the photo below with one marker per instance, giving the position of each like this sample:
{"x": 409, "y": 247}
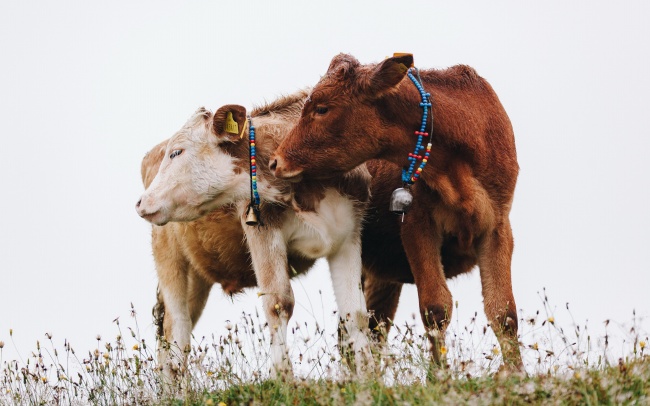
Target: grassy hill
{"x": 562, "y": 367}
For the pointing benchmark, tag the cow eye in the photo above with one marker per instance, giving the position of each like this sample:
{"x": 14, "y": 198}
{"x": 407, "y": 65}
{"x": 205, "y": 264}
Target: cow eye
{"x": 175, "y": 153}
{"x": 321, "y": 110}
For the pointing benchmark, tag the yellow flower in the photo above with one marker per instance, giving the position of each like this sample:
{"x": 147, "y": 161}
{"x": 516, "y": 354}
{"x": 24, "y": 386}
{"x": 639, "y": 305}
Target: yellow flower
{"x": 136, "y": 347}
{"x": 535, "y": 347}
{"x": 106, "y": 356}
{"x": 443, "y": 350}
{"x": 44, "y": 379}
{"x": 577, "y": 375}
{"x": 495, "y": 351}
{"x": 551, "y": 320}
{"x": 641, "y": 344}
{"x": 222, "y": 404}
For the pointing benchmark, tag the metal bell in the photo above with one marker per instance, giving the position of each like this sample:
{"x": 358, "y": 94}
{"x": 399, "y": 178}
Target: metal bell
{"x": 400, "y": 201}
{"x": 251, "y": 217}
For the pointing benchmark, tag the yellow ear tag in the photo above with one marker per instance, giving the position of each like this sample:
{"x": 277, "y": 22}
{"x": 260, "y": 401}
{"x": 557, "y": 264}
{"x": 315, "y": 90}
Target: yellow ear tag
{"x": 398, "y": 54}
{"x": 231, "y": 125}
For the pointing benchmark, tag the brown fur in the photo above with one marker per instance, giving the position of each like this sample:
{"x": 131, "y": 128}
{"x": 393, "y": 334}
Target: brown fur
{"x": 459, "y": 217}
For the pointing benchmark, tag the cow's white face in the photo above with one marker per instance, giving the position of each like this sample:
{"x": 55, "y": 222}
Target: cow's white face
{"x": 196, "y": 175}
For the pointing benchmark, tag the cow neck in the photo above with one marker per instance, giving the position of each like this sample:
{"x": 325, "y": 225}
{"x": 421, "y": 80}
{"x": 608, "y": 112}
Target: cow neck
{"x": 253, "y": 217}
{"x": 402, "y": 198}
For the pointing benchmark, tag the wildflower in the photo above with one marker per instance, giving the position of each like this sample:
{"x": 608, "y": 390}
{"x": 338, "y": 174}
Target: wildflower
{"x": 551, "y": 320}
{"x": 277, "y": 306}
{"x": 209, "y": 402}
{"x": 136, "y": 347}
{"x": 222, "y": 404}
{"x": 535, "y": 347}
{"x": 641, "y": 344}
{"x": 44, "y": 379}
{"x": 2, "y": 344}
{"x": 106, "y": 356}
{"x": 495, "y": 351}
{"x": 443, "y": 350}
{"x": 577, "y": 375}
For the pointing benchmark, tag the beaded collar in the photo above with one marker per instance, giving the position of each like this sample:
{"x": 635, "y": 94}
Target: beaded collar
{"x": 402, "y": 198}
{"x": 408, "y": 177}
{"x": 253, "y": 217}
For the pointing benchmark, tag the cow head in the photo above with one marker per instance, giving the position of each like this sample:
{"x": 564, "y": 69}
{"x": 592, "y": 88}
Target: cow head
{"x": 199, "y": 171}
{"x": 341, "y": 120}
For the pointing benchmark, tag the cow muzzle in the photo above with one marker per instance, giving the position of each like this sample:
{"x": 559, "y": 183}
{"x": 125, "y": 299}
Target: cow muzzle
{"x": 153, "y": 216}
{"x": 280, "y": 170}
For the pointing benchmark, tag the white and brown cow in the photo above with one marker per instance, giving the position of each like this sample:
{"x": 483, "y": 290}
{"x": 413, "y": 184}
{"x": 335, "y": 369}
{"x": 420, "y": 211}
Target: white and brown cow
{"x": 192, "y": 256}
{"x": 205, "y": 168}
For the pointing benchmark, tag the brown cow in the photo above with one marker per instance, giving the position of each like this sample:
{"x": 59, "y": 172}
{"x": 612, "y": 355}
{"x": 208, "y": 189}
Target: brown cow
{"x": 206, "y": 167}
{"x": 463, "y": 198}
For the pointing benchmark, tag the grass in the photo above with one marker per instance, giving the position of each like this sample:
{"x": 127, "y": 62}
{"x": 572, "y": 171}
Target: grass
{"x": 565, "y": 365}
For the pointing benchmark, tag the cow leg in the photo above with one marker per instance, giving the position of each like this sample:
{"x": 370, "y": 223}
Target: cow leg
{"x": 177, "y": 323}
{"x": 269, "y": 256}
{"x": 495, "y": 256}
{"x": 382, "y": 298}
{"x": 345, "y": 271}
{"x": 197, "y": 296}
{"x": 422, "y": 245}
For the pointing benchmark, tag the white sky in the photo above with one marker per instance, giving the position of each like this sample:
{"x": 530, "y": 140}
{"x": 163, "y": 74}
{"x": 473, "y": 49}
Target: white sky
{"x": 87, "y": 88}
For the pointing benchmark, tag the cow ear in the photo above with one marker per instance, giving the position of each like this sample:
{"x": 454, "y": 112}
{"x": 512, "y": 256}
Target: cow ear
{"x": 151, "y": 163}
{"x": 228, "y": 122}
{"x": 389, "y": 73}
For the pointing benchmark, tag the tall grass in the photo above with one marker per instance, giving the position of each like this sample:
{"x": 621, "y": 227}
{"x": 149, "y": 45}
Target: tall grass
{"x": 565, "y": 363}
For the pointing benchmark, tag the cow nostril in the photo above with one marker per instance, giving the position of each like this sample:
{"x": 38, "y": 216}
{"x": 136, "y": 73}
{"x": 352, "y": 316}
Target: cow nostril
{"x": 273, "y": 164}
{"x": 138, "y": 203}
